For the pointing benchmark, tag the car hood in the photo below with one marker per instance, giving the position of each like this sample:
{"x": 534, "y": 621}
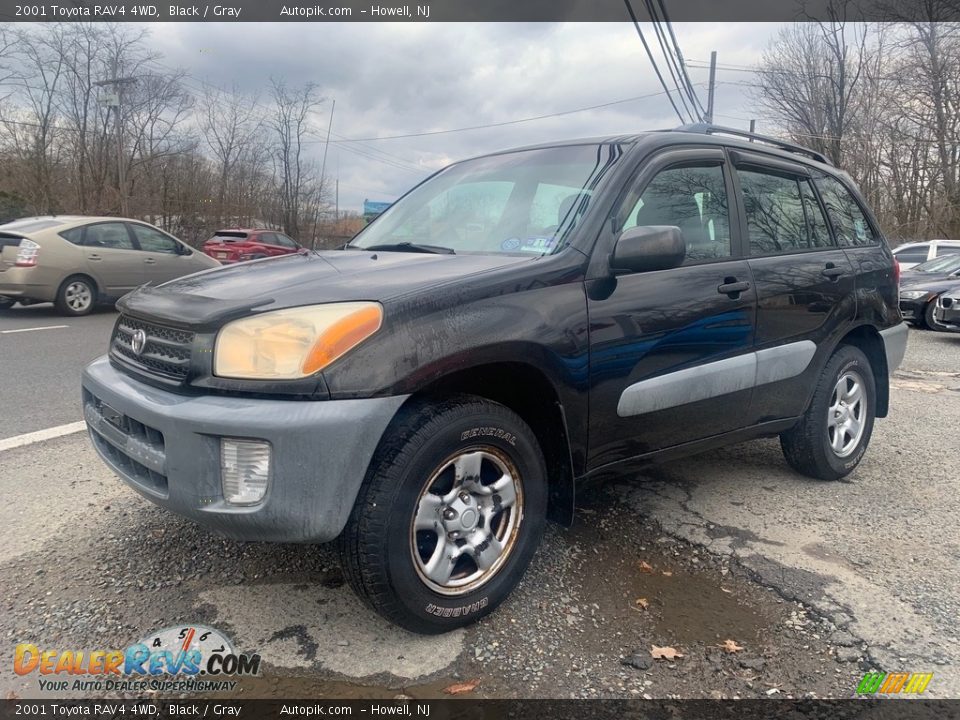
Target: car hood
{"x": 214, "y": 296}
{"x": 928, "y": 281}
{"x": 909, "y": 278}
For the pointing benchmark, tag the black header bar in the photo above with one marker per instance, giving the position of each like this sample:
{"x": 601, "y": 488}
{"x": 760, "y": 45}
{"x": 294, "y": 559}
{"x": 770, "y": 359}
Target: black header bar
{"x": 474, "y": 11}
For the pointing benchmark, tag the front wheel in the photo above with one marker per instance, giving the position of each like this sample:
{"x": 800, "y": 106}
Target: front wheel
{"x": 833, "y": 434}
{"x": 450, "y": 514}
{"x": 6, "y": 303}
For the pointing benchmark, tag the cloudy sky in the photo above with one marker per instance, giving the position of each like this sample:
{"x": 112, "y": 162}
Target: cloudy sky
{"x": 401, "y": 79}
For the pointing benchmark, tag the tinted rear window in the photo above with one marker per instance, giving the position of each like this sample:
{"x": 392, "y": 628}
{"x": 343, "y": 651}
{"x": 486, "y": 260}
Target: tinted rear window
{"x": 229, "y": 235}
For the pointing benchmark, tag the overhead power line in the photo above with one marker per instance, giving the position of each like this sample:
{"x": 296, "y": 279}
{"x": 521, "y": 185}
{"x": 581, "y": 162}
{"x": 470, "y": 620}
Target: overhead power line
{"x": 673, "y": 63}
{"x": 508, "y": 122}
{"x": 663, "y": 84}
{"x": 683, "y": 65}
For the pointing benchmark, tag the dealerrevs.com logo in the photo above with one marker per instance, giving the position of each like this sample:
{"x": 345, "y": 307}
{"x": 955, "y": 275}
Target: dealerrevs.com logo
{"x": 190, "y": 658}
{"x": 896, "y": 684}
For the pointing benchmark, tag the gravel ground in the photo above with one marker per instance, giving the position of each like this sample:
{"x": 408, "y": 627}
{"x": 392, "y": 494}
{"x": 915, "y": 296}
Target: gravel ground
{"x": 728, "y": 546}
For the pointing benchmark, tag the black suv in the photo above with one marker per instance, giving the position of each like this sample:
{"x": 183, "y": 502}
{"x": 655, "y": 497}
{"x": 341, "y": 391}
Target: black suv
{"x": 516, "y": 326}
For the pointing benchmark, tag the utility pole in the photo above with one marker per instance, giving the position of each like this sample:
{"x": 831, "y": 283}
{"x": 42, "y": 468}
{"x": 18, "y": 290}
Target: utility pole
{"x": 115, "y": 101}
{"x": 753, "y": 128}
{"x": 336, "y": 205}
{"x": 712, "y": 85}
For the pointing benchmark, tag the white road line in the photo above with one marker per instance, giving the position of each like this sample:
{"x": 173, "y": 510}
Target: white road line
{"x": 45, "y": 327}
{"x": 41, "y": 435}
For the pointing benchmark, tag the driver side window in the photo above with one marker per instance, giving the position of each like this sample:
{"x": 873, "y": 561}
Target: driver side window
{"x": 693, "y": 198}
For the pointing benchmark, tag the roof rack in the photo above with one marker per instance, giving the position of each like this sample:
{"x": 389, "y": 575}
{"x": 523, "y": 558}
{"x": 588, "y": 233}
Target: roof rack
{"x": 708, "y": 129}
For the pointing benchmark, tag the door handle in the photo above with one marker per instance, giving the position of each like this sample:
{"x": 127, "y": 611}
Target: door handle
{"x": 150, "y": 261}
{"x": 732, "y": 287}
{"x": 93, "y": 256}
{"x": 832, "y": 271}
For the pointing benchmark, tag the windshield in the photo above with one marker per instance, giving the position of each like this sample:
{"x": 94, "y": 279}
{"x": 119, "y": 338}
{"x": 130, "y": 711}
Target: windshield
{"x": 946, "y": 264}
{"x": 525, "y": 202}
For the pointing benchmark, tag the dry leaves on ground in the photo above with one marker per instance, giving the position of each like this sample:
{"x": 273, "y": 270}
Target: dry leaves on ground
{"x": 642, "y": 603}
{"x": 462, "y": 687}
{"x": 668, "y": 573}
{"x": 664, "y": 653}
{"x": 731, "y": 646}
{"x": 645, "y": 567}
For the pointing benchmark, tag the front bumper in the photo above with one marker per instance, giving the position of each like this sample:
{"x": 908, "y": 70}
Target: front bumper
{"x": 913, "y": 310}
{"x": 166, "y": 446}
{"x": 948, "y": 310}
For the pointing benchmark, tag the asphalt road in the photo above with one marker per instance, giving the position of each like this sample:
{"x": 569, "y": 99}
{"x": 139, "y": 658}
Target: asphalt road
{"x": 42, "y": 354}
{"x": 818, "y": 582}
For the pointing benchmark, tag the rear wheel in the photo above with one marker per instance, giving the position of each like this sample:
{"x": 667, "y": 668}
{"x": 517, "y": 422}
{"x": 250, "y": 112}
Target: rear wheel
{"x": 449, "y": 516}
{"x": 76, "y": 296}
{"x": 6, "y": 303}
{"x": 833, "y": 434}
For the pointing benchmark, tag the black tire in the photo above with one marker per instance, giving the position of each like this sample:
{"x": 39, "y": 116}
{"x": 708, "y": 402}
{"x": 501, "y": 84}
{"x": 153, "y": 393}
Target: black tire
{"x": 64, "y": 302}
{"x": 378, "y": 546}
{"x": 6, "y": 304}
{"x": 930, "y": 321}
{"x": 807, "y": 446}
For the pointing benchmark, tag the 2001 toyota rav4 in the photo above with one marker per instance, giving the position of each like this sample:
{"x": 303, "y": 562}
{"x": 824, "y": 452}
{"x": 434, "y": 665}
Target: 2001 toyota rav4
{"x": 515, "y": 326}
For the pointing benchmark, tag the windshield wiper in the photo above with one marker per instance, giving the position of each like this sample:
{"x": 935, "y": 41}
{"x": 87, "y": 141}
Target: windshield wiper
{"x": 406, "y": 247}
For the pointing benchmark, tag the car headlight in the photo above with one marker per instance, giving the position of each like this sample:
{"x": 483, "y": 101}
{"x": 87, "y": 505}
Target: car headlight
{"x": 293, "y": 343}
{"x": 913, "y": 294}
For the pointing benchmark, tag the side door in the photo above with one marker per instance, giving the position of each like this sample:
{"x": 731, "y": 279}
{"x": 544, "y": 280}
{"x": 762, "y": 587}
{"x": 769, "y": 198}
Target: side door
{"x": 162, "y": 256}
{"x": 805, "y": 283}
{"x": 112, "y": 258}
{"x": 670, "y": 350}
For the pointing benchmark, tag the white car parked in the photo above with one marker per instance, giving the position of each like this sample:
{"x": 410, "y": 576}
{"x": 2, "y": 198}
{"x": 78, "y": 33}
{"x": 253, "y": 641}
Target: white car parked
{"x": 914, "y": 253}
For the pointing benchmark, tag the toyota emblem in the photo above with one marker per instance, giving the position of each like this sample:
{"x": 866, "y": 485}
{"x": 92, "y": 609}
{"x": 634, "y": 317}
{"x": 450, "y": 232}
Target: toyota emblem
{"x": 138, "y": 341}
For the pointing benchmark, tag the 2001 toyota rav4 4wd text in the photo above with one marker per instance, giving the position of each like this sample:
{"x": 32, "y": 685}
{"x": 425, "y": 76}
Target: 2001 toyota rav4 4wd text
{"x": 515, "y": 326}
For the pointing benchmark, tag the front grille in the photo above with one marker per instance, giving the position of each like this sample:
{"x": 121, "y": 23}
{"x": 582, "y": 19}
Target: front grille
{"x": 165, "y": 353}
{"x": 135, "y": 449}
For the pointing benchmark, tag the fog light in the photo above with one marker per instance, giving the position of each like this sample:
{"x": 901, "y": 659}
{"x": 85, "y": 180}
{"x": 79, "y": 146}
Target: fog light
{"x": 245, "y": 469}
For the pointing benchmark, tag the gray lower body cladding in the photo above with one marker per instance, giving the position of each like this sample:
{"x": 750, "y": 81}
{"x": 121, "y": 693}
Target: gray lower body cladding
{"x": 166, "y": 446}
{"x": 714, "y": 379}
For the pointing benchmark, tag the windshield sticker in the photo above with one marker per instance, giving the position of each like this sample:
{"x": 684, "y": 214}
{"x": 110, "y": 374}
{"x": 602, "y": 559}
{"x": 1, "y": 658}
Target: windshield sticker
{"x": 538, "y": 244}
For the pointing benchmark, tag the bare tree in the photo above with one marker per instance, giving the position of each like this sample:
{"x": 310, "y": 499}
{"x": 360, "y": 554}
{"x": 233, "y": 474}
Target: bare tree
{"x": 290, "y": 125}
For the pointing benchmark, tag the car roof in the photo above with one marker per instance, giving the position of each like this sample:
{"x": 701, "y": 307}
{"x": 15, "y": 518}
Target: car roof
{"x": 699, "y": 135}
{"x": 924, "y": 243}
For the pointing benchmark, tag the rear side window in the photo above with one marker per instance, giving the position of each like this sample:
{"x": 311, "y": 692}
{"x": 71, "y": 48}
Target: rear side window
{"x": 112, "y": 236}
{"x": 776, "y": 220}
{"x": 74, "y": 235}
{"x": 817, "y": 229}
{"x": 946, "y": 250}
{"x": 850, "y": 225}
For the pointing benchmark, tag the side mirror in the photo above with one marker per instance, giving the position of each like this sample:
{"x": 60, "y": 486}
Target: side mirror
{"x": 649, "y": 247}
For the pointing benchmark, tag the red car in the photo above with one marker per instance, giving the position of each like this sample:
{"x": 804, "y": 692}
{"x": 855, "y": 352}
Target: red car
{"x": 237, "y": 245}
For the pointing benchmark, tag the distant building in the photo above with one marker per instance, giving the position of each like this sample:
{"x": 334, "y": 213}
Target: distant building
{"x": 372, "y": 208}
